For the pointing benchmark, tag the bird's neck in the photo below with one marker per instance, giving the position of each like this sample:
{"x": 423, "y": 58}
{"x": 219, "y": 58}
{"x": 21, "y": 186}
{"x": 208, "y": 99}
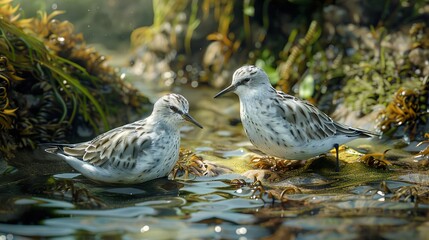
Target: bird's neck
{"x": 158, "y": 117}
{"x": 252, "y": 102}
{"x": 257, "y": 94}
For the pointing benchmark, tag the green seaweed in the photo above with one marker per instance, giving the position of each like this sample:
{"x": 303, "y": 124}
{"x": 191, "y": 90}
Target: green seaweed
{"x": 39, "y": 56}
{"x": 52, "y": 83}
{"x": 86, "y": 94}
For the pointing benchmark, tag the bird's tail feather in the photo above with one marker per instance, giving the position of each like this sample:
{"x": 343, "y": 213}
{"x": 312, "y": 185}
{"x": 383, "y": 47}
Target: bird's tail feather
{"x": 366, "y": 133}
{"x": 54, "y": 147}
{"x": 355, "y": 132}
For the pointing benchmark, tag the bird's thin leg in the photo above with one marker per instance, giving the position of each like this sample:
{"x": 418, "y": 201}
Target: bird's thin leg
{"x": 337, "y": 166}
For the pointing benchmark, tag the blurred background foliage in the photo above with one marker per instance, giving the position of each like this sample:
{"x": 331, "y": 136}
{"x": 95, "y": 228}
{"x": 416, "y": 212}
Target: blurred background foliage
{"x": 350, "y": 58}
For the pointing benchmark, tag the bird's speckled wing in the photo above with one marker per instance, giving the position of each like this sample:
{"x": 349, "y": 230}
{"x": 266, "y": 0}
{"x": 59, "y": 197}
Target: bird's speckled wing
{"x": 310, "y": 122}
{"x": 119, "y": 147}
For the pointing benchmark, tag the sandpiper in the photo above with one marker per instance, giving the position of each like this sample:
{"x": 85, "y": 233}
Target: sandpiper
{"x": 282, "y": 125}
{"x": 136, "y": 152}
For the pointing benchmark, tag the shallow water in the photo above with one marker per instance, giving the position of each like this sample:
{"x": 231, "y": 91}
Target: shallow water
{"x": 359, "y": 202}
{"x": 209, "y": 207}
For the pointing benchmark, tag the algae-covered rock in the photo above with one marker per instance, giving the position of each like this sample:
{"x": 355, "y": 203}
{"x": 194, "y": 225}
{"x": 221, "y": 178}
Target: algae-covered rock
{"x": 53, "y": 87}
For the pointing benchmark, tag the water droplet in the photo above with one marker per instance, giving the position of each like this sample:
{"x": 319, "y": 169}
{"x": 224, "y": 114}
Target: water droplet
{"x": 145, "y": 228}
{"x": 241, "y": 231}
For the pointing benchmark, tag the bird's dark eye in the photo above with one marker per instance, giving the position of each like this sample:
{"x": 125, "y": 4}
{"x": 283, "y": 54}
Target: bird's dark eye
{"x": 175, "y": 109}
{"x": 246, "y": 80}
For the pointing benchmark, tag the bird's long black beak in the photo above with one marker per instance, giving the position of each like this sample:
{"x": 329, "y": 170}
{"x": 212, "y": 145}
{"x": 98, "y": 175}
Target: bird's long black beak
{"x": 226, "y": 90}
{"x": 188, "y": 118}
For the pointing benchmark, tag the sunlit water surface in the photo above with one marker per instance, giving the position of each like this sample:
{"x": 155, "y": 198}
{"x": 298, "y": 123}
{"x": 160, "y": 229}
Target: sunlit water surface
{"x": 328, "y": 207}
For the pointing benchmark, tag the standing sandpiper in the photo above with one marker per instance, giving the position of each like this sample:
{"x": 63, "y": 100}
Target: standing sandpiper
{"x": 282, "y": 125}
{"x": 136, "y": 152}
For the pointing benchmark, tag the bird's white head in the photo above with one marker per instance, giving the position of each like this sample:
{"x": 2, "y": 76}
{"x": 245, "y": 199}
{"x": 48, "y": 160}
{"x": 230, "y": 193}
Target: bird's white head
{"x": 174, "y": 108}
{"x": 246, "y": 79}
